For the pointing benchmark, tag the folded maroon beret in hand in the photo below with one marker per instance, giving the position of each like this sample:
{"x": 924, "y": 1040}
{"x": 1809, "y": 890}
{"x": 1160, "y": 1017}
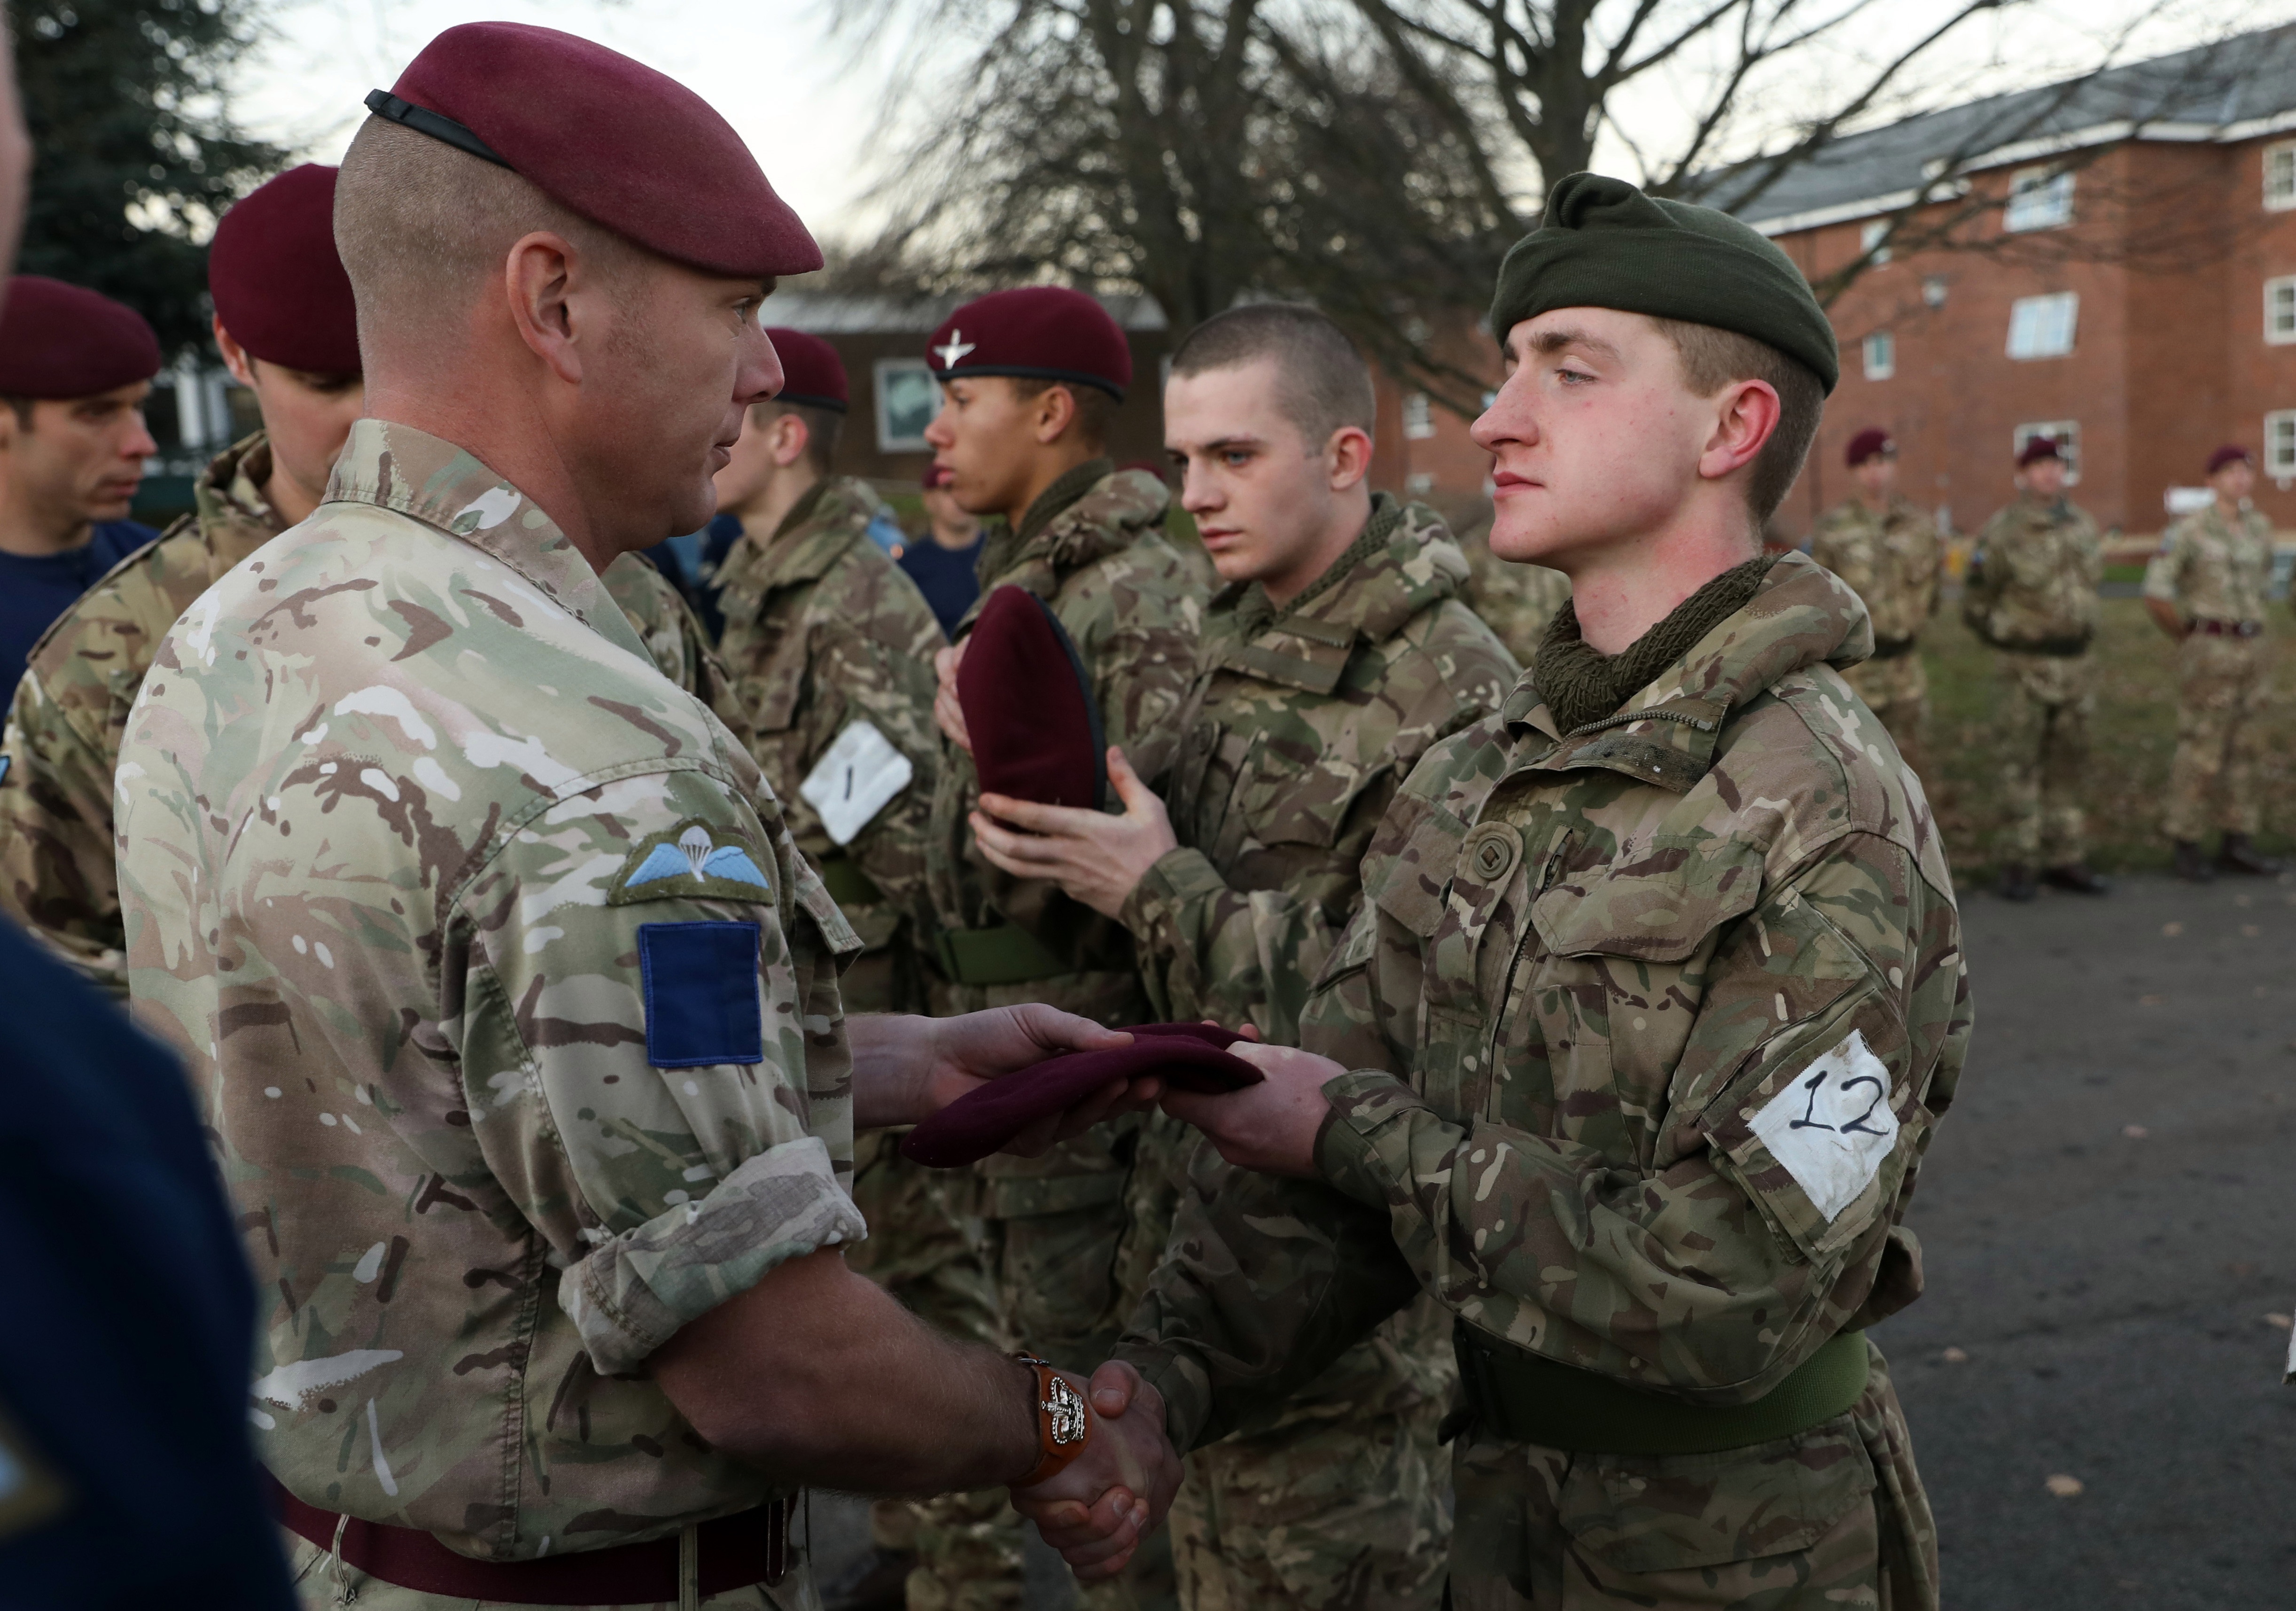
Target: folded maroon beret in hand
{"x": 1029, "y": 707}
{"x": 1192, "y": 1056}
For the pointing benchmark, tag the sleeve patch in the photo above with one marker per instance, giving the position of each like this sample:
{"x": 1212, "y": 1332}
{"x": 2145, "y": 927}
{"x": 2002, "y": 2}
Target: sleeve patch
{"x": 694, "y": 860}
{"x": 858, "y": 776}
{"x": 1831, "y": 1126}
{"x": 702, "y": 1001}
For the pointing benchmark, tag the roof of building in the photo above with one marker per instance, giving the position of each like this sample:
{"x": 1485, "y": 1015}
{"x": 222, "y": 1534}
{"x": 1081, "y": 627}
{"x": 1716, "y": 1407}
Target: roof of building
{"x": 2235, "y": 89}
{"x": 833, "y": 313}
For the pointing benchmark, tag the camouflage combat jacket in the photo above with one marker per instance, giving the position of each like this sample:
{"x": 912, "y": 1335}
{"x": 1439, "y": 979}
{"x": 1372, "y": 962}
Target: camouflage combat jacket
{"x": 509, "y": 1002}
{"x": 2033, "y": 578}
{"x": 1648, "y": 1022}
{"x": 2213, "y": 569}
{"x": 1891, "y": 562}
{"x": 62, "y": 739}
{"x": 823, "y": 630}
{"x": 1301, "y": 724}
{"x": 1092, "y": 548}
{"x": 1515, "y": 600}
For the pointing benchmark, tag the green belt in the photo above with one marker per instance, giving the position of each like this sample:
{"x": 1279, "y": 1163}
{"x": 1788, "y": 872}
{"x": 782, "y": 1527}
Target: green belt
{"x": 1528, "y": 1398}
{"x": 1007, "y": 954}
{"x": 846, "y": 883}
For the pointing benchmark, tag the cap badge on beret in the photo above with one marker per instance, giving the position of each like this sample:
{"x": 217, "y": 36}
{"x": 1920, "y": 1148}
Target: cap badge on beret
{"x": 953, "y": 350}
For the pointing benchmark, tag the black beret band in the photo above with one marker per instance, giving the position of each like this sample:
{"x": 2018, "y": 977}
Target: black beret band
{"x": 1074, "y": 377}
{"x": 807, "y": 399}
{"x": 423, "y": 120}
{"x": 1603, "y": 243}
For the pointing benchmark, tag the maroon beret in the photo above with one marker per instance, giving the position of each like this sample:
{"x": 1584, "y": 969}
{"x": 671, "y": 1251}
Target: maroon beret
{"x": 59, "y": 341}
{"x": 2231, "y": 453}
{"x": 1043, "y": 332}
{"x": 2038, "y": 448}
{"x": 278, "y": 286}
{"x": 1192, "y": 1056}
{"x": 1868, "y": 443}
{"x": 812, "y": 373}
{"x": 612, "y": 139}
{"x": 1029, "y": 707}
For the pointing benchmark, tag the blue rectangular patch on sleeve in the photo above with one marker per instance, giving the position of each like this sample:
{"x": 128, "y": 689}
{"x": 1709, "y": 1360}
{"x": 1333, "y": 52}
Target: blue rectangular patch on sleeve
{"x": 702, "y": 1003}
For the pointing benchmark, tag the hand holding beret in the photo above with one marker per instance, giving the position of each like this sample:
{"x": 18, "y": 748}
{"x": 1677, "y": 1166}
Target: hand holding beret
{"x": 1192, "y": 1056}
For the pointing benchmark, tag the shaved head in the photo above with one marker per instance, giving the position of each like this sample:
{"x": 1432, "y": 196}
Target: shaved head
{"x": 422, "y": 228}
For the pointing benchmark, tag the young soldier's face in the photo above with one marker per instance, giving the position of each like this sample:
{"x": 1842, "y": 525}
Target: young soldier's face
{"x": 1878, "y": 475}
{"x": 1595, "y": 436}
{"x": 1260, "y": 493}
{"x": 2235, "y": 481}
{"x": 986, "y": 437}
{"x": 81, "y": 458}
{"x": 2044, "y": 478}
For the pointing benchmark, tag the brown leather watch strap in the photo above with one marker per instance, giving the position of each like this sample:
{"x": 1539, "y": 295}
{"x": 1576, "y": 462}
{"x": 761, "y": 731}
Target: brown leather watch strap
{"x": 1063, "y": 1421}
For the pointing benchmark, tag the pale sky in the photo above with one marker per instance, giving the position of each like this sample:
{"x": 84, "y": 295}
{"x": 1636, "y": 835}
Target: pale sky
{"x": 807, "y": 105}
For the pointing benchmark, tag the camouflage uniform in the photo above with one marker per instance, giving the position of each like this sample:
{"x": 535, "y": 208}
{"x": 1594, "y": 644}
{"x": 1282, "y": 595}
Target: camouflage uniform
{"x": 413, "y": 835}
{"x": 822, "y": 631}
{"x": 1648, "y": 1025}
{"x": 1301, "y": 724}
{"x": 1515, "y": 600}
{"x": 1892, "y": 562}
{"x": 1092, "y": 549}
{"x": 2216, "y": 573}
{"x": 56, "y": 852}
{"x": 2031, "y": 594}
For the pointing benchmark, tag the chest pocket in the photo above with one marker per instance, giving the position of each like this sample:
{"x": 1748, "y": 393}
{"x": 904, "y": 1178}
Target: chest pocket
{"x": 772, "y": 692}
{"x": 1286, "y": 792}
{"x": 1615, "y": 987}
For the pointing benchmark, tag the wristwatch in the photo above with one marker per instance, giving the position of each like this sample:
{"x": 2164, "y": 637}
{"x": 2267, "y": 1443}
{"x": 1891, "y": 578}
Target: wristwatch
{"x": 1064, "y": 1423}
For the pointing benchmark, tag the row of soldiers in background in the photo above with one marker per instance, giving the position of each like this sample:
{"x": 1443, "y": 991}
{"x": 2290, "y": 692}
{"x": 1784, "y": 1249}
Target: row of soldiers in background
{"x": 2032, "y": 595}
{"x": 1274, "y": 717}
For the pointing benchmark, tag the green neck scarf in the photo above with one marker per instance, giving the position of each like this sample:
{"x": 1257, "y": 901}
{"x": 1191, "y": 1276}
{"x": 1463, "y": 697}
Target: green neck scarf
{"x": 1055, "y": 500}
{"x": 1255, "y": 612}
{"x": 1581, "y": 685}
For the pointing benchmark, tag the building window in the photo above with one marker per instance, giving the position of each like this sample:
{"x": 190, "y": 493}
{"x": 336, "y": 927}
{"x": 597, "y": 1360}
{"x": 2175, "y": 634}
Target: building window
{"x": 1870, "y": 239}
{"x": 1880, "y": 356}
{"x": 2280, "y": 444}
{"x": 907, "y": 398}
{"x": 2280, "y": 176}
{"x": 2280, "y": 310}
{"x": 2042, "y": 328}
{"x": 2039, "y": 198}
{"x": 1418, "y": 416}
{"x": 2065, "y": 433}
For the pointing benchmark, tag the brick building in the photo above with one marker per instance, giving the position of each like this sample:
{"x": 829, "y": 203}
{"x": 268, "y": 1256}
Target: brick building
{"x": 2116, "y": 266}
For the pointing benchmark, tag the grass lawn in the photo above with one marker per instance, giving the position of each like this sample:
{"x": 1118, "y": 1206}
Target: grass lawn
{"x": 2132, "y": 738}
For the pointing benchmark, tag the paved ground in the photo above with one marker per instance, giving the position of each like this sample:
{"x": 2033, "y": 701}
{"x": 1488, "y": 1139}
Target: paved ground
{"x": 2109, "y": 1216}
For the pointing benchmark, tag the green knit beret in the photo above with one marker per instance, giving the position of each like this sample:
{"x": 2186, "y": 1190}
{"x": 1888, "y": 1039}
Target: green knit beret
{"x": 1602, "y": 244}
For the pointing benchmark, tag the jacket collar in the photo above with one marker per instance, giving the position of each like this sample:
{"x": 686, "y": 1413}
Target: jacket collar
{"x": 820, "y": 530}
{"x": 412, "y": 472}
{"x": 1667, "y": 732}
{"x": 1405, "y": 560}
{"x": 233, "y": 516}
{"x": 1106, "y": 518}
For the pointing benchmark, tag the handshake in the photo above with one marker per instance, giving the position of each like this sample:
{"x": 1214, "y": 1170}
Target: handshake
{"x": 1114, "y": 1489}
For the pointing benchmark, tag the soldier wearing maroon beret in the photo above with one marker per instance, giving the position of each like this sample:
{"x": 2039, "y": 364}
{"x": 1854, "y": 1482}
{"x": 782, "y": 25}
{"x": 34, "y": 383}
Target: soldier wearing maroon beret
{"x": 1030, "y": 380}
{"x": 75, "y": 368}
{"x": 509, "y": 998}
{"x": 1890, "y": 554}
{"x": 287, "y": 329}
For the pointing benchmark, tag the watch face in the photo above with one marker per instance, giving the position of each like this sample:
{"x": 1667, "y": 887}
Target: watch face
{"x": 1065, "y": 1405}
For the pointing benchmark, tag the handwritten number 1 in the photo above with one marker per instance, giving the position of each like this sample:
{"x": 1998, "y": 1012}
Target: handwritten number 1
{"x": 1807, "y": 1122}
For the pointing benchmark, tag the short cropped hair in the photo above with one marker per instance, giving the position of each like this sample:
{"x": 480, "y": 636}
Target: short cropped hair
{"x": 1322, "y": 384}
{"x": 421, "y": 226}
{"x": 1095, "y": 409}
{"x": 1712, "y": 358}
{"x": 22, "y": 407}
{"x": 823, "y": 427}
